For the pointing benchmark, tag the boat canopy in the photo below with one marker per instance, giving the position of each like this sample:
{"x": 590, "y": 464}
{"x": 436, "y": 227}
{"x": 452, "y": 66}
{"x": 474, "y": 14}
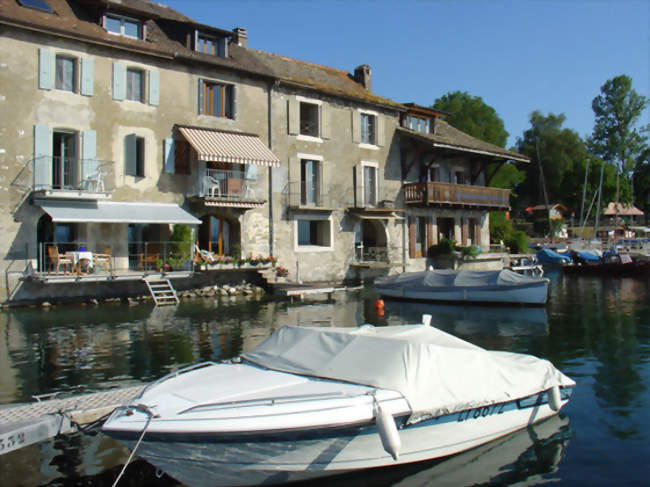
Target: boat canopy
{"x": 442, "y": 278}
{"x": 436, "y": 372}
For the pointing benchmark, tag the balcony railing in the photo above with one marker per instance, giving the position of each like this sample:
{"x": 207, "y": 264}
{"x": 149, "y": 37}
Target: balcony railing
{"x": 69, "y": 173}
{"x": 228, "y": 185}
{"x": 79, "y": 258}
{"x": 308, "y": 195}
{"x": 370, "y": 254}
{"x": 456, "y": 195}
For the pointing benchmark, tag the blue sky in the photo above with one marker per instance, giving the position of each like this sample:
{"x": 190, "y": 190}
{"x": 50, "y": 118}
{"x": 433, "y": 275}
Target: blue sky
{"x": 519, "y": 56}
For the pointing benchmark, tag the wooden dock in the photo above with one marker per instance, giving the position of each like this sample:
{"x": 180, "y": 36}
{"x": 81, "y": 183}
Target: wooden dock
{"x": 25, "y": 424}
{"x": 295, "y": 290}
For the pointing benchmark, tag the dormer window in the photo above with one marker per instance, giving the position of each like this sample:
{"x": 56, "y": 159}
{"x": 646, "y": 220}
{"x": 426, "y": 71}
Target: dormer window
{"x": 209, "y": 44}
{"x": 419, "y": 124}
{"x": 123, "y": 26}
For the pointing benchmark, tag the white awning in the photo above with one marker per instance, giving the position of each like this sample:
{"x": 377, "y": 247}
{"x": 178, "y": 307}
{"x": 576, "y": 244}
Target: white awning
{"x": 63, "y": 211}
{"x": 231, "y": 147}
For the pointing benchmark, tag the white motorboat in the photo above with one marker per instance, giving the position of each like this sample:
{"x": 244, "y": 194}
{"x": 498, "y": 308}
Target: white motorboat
{"x": 311, "y": 402}
{"x": 447, "y": 285}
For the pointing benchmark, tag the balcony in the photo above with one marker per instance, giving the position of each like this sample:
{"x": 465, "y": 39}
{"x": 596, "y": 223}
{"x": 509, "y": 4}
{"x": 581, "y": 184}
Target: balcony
{"x": 67, "y": 177}
{"x": 308, "y": 196}
{"x": 224, "y": 187}
{"x": 456, "y": 195}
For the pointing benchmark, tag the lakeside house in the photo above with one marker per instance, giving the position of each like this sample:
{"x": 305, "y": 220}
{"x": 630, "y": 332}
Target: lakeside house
{"x": 125, "y": 118}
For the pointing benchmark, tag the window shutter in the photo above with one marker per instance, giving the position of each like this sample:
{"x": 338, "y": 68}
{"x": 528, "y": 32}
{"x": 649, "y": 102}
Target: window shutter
{"x": 42, "y": 156}
{"x": 45, "y": 69}
{"x": 119, "y": 81}
{"x": 200, "y": 97}
{"x": 89, "y": 153}
{"x": 325, "y": 131}
{"x": 87, "y": 76}
{"x": 381, "y": 129}
{"x": 251, "y": 172}
{"x": 223, "y": 47}
{"x": 411, "y": 237}
{"x": 477, "y": 232}
{"x": 294, "y": 180}
{"x": 169, "y": 153}
{"x": 294, "y": 115}
{"x": 429, "y": 233}
{"x": 154, "y": 87}
{"x": 463, "y": 231}
{"x": 233, "y": 101}
{"x": 356, "y": 127}
{"x": 358, "y": 185}
{"x": 196, "y": 40}
{"x": 130, "y": 155}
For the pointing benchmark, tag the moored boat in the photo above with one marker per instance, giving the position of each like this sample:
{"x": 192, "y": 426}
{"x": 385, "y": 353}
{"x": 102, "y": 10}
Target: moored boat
{"x": 311, "y": 402}
{"x": 447, "y": 285}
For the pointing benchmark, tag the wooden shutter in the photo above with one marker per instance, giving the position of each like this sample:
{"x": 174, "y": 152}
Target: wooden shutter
{"x": 223, "y": 47}
{"x": 200, "y": 96}
{"x": 87, "y": 76}
{"x": 89, "y": 153}
{"x": 42, "y": 156}
{"x": 429, "y": 234}
{"x": 251, "y": 172}
{"x": 463, "y": 231}
{"x": 233, "y": 102}
{"x": 293, "y": 112}
{"x": 169, "y": 159}
{"x": 294, "y": 180}
{"x": 359, "y": 199}
{"x": 45, "y": 68}
{"x": 154, "y": 87}
{"x": 119, "y": 81}
{"x": 356, "y": 126}
{"x": 381, "y": 129}
{"x": 130, "y": 155}
{"x": 411, "y": 237}
{"x": 477, "y": 232}
{"x": 326, "y": 130}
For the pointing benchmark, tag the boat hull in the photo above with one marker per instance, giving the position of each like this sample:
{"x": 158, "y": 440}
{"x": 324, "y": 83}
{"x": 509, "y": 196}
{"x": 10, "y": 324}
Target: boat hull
{"x": 282, "y": 456}
{"x": 529, "y": 294}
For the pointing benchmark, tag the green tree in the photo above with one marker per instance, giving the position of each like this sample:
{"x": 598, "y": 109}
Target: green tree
{"x": 562, "y": 155}
{"x": 615, "y": 137}
{"x": 473, "y": 116}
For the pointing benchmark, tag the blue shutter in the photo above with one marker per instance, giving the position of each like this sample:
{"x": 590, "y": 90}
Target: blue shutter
{"x": 87, "y": 76}
{"x": 380, "y": 136}
{"x": 233, "y": 102}
{"x": 119, "y": 81}
{"x": 251, "y": 171}
{"x": 200, "y": 97}
{"x": 130, "y": 154}
{"x": 223, "y": 47}
{"x": 169, "y": 161}
{"x": 45, "y": 68}
{"x": 89, "y": 153}
{"x": 42, "y": 156}
{"x": 154, "y": 87}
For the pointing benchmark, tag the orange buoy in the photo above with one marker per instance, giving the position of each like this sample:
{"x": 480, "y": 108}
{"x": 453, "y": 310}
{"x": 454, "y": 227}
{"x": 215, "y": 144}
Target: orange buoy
{"x": 379, "y": 307}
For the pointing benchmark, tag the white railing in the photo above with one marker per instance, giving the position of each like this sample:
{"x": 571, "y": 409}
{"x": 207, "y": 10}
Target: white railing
{"x": 69, "y": 173}
{"x": 370, "y": 254}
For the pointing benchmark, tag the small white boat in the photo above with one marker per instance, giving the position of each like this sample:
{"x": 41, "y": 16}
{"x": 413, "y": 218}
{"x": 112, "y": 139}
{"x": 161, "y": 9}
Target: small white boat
{"x": 312, "y": 402}
{"x": 446, "y": 285}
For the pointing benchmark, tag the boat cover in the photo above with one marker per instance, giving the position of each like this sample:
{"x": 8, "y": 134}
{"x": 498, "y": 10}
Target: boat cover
{"x": 548, "y": 256}
{"x": 436, "y": 372}
{"x": 448, "y": 278}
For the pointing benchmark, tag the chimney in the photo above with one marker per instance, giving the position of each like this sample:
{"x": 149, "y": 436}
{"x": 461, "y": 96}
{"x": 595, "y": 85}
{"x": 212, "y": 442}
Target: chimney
{"x": 363, "y": 76}
{"x": 239, "y": 36}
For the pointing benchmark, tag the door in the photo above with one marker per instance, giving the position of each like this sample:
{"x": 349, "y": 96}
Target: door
{"x": 64, "y": 159}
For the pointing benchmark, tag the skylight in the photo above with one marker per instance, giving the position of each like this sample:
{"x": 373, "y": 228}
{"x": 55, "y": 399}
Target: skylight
{"x": 41, "y": 5}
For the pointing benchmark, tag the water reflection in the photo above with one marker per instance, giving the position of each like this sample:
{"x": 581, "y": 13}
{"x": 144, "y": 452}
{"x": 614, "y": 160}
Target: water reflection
{"x": 595, "y": 330}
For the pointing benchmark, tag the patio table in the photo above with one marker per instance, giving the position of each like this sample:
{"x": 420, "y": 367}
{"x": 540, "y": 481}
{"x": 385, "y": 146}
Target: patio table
{"x": 81, "y": 259}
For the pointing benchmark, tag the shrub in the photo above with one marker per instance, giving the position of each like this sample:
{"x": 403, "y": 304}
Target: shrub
{"x": 444, "y": 247}
{"x": 517, "y": 242}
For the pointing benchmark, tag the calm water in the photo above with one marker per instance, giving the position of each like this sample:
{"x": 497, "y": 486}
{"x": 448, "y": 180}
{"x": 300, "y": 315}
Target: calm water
{"x": 596, "y": 331}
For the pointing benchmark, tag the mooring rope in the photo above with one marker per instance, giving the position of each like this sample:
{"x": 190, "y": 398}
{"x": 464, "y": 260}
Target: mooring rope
{"x": 150, "y": 415}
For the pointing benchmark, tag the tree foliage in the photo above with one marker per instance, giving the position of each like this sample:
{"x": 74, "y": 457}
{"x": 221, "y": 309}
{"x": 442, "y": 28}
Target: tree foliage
{"x": 615, "y": 137}
{"x": 563, "y": 156}
{"x": 473, "y": 116}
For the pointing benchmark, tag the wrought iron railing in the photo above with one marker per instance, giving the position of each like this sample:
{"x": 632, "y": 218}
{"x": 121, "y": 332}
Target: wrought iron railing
{"x": 370, "y": 254}
{"x": 308, "y": 195}
{"x": 69, "y": 173}
{"x": 227, "y": 184}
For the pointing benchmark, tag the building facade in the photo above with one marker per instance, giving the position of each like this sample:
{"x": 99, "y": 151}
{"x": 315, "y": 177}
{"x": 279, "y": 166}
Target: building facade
{"x": 124, "y": 119}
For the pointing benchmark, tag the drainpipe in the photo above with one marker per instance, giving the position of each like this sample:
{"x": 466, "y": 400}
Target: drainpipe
{"x": 270, "y": 138}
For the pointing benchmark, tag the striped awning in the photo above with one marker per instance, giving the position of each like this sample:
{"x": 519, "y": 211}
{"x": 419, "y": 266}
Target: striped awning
{"x": 231, "y": 147}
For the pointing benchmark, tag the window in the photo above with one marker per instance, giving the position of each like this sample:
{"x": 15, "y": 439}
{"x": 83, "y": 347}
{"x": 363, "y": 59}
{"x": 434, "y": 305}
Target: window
{"x": 181, "y": 157}
{"x": 216, "y": 99}
{"x": 310, "y": 176}
{"x": 210, "y": 45}
{"x": 420, "y": 236}
{"x": 368, "y": 129}
{"x": 134, "y": 155}
{"x": 66, "y": 73}
{"x": 314, "y": 233}
{"x": 309, "y": 119}
{"x": 123, "y": 26}
{"x": 418, "y": 124}
{"x": 369, "y": 184}
{"x": 460, "y": 177}
{"x": 134, "y": 84}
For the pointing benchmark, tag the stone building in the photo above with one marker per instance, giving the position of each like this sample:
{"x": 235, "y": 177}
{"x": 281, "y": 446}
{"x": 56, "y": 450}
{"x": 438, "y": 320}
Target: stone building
{"x": 125, "y": 118}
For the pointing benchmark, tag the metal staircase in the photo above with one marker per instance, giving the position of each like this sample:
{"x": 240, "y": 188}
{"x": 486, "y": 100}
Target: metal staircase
{"x": 162, "y": 291}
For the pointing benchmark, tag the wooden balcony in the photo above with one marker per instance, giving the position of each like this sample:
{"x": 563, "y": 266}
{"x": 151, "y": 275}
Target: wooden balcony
{"x": 456, "y": 195}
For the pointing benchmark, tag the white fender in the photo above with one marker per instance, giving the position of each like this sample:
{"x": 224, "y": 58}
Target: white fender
{"x": 554, "y": 398}
{"x": 426, "y": 320}
{"x": 387, "y": 429}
